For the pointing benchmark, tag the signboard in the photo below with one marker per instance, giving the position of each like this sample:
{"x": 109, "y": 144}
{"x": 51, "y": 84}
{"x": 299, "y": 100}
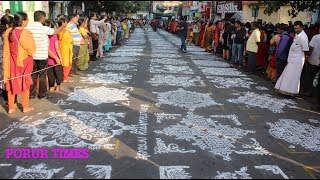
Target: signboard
{"x": 228, "y": 6}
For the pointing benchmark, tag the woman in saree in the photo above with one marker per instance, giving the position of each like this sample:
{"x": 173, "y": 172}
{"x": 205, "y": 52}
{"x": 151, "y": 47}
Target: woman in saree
{"x": 84, "y": 49}
{"x": 208, "y": 36}
{"x": 18, "y": 50}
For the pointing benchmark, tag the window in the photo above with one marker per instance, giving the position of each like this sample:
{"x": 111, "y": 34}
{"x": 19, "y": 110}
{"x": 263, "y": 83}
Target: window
{"x": 255, "y": 12}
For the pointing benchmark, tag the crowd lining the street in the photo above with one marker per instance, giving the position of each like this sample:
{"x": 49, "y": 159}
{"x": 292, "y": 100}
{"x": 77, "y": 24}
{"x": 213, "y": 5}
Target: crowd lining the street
{"x": 36, "y": 58}
{"x": 287, "y": 53}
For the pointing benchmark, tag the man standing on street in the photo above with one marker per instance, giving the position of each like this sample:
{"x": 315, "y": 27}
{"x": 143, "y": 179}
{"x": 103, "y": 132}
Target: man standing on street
{"x": 289, "y": 81}
{"x": 76, "y": 37}
{"x": 40, "y": 34}
{"x": 281, "y": 51}
{"x": 252, "y": 47}
{"x": 237, "y": 46}
{"x": 183, "y": 28}
{"x": 119, "y": 31}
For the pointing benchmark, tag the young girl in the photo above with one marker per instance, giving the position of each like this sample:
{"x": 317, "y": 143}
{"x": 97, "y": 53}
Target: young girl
{"x": 66, "y": 47}
{"x": 84, "y": 49}
{"x": 54, "y": 60}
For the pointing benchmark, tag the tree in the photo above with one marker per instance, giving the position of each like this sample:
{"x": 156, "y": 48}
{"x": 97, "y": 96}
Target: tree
{"x": 296, "y": 6}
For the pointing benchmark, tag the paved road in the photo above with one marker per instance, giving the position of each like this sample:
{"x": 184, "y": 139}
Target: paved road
{"x": 149, "y": 111}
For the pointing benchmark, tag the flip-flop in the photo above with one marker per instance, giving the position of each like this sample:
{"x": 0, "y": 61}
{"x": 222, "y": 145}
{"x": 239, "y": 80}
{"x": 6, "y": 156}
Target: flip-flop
{"x": 29, "y": 109}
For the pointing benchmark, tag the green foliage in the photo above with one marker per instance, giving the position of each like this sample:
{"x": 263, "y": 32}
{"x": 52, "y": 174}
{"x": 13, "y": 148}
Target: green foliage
{"x": 296, "y": 6}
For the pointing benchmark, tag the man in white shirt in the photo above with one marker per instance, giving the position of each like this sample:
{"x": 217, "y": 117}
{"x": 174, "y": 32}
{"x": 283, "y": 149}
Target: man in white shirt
{"x": 312, "y": 66}
{"x": 252, "y": 47}
{"x": 289, "y": 81}
{"x": 40, "y": 34}
{"x": 93, "y": 27}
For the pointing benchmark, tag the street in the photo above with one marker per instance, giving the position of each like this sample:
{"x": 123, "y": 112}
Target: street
{"x": 149, "y": 111}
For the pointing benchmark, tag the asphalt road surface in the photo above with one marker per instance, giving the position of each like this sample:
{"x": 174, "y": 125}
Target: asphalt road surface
{"x": 149, "y": 111}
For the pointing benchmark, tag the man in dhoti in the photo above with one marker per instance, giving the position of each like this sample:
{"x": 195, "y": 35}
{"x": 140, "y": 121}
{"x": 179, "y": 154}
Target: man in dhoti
{"x": 289, "y": 81}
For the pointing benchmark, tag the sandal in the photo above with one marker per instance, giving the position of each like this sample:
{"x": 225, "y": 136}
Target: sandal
{"x": 29, "y": 109}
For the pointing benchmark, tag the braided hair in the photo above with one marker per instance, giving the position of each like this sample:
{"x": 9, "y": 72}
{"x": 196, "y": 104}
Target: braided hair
{"x": 17, "y": 21}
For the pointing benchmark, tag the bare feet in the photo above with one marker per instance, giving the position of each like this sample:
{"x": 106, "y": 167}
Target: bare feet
{"x": 58, "y": 88}
{"x": 11, "y": 111}
{"x": 51, "y": 89}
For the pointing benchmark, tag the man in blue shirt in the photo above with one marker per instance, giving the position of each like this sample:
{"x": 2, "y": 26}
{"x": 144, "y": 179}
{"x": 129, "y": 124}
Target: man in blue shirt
{"x": 183, "y": 28}
{"x": 282, "y": 54}
{"x": 119, "y": 31}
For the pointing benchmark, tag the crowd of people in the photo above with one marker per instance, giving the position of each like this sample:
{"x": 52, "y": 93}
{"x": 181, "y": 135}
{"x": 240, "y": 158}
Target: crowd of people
{"x": 39, "y": 56}
{"x": 287, "y": 53}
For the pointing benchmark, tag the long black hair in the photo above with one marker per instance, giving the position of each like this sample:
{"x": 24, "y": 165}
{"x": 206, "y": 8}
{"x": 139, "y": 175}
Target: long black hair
{"x": 5, "y": 20}
{"x": 17, "y": 21}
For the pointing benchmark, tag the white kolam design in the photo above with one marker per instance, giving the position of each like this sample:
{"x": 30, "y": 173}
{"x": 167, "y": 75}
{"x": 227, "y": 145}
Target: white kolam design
{"x": 224, "y": 82}
{"x": 265, "y": 101}
{"x": 242, "y": 174}
{"x": 275, "y": 170}
{"x": 121, "y": 60}
{"x": 100, "y": 171}
{"x": 174, "y": 172}
{"x": 185, "y": 99}
{"x": 175, "y": 80}
{"x": 106, "y": 78}
{"x": 161, "y": 69}
{"x": 168, "y": 61}
{"x": 294, "y": 132}
{"x": 213, "y": 71}
{"x": 99, "y": 95}
{"x": 212, "y": 136}
{"x": 39, "y": 171}
{"x": 210, "y": 63}
{"x": 162, "y": 148}
{"x": 72, "y": 128}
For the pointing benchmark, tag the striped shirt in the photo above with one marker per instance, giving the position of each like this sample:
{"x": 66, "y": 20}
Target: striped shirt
{"x": 75, "y": 33}
{"x": 40, "y": 34}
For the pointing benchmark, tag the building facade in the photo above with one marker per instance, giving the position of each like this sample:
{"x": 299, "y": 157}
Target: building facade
{"x": 26, "y": 6}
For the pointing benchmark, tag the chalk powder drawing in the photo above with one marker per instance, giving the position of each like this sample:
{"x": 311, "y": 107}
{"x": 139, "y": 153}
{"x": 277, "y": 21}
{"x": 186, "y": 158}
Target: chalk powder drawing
{"x": 70, "y": 175}
{"x": 171, "y": 69}
{"x": 99, "y": 95}
{"x": 5, "y": 165}
{"x": 275, "y": 169}
{"x": 126, "y": 50}
{"x": 186, "y": 99}
{"x": 168, "y": 61}
{"x": 264, "y": 101}
{"x": 242, "y": 174}
{"x": 313, "y": 121}
{"x": 17, "y": 140}
{"x": 174, "y": 172}
{"x": 101, "y": 172}
{"x": 141, "y": 130}
{"x": 4, "y": 133}
{"x": 118, "y": 67}
{"x": 211, "y": 63}
{"x": 160, "y": 51}
{"x": 210, "y": 135}
{"x": 231, "y": 82}
{"x": 172, "y": 80}
{"x": 262, "y": 88}
{"x": 62, "y": 103}
{"x": 106, "y": 78}
{"x": 296, "y": 133}
{"x": 39, "y": 171}
{"x": 162, "y": 148}
{"x": 75, "y": 129}
{"x": 121, "y": 60}
{"x": 127, "y": 54}
{"x": 161, "y": 116}
{"x": 221, "y": 71}
{"x": 165, "y": 55}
